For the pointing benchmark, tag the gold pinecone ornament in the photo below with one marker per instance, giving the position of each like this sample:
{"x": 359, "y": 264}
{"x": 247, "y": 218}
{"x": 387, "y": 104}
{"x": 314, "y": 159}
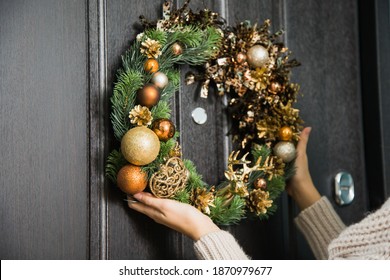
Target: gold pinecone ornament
{"x": 151, "y": 48}
{"x": 140, "y": 115}
{"x": 259, "y": 202}
{"x": 203, "y": 199}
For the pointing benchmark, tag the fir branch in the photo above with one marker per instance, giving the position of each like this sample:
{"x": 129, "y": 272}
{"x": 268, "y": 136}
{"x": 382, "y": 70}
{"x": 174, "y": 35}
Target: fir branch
{"x": 161, "y": 110}
{"x": 228, "y": 215}
{"x": 182, "y": 196}
{"x": 275, "y": 187}
{"x": 114, "y": 163}
{"x": 261, "y": 151}
{"x": 156, "y": 34}
{"x": 173, "y": 84}
{"x": 189, "y": 36}
{"x": 123, "y": 100}
{"x": 195, "y": 179}
{"x": 133, "y": 59}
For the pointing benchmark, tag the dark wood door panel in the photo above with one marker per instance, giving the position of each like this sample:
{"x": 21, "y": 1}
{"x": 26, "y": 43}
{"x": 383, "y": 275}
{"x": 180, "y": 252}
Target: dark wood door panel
{"x": 43, "y": 101}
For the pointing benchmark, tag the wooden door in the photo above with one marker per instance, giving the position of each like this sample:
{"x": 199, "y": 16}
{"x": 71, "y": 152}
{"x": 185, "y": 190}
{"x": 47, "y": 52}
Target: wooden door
{"x": 58, "y": 61}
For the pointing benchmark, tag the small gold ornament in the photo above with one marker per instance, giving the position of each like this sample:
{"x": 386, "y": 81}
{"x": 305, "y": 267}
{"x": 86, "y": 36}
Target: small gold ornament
{"x": 131, "y": 179}
{"x": 285, "y": 150}
{"x": 140, "y": 115}
{"x": 151, "y": 65}
{"x": 148, "y": 96}
{"x": 241, "y": 57}
{"x": 285, "y": 133}
{"x": 170, "y": 179}
{"x": 260, "y": 183}
{"x": 176, "y": 151}
{"x": 151, "y": 48}
{"x": 177, "y": 49}
{"x": 160, "y": 80}
{"x": 259, "y": 201}
{"x": 275, "y": 87}
{"x": 257, "y": 56}
{"x": 140, "y": 145}
{"x": 164, "y": 129}
{"x": 203, "y": 199}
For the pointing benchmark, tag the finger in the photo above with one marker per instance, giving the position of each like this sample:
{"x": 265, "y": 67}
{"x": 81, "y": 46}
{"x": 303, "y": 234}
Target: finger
{"x": 304, "y": 138}
{"x": 148, "y": 199}
{"x": 145, "y": 209}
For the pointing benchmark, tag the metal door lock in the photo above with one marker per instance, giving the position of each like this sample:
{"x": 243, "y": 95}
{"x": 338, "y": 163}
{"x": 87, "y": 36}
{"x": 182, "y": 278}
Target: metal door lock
{"x": 344, "y": 188}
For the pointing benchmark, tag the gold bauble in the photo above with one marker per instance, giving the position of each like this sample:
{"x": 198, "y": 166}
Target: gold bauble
{"x": 160, "y": 80}
{"x": 285, "y": 150}
{"x": 285, "y": 133}
{"x": 275, "y": 87}
{"x": 140, "y": 145}
{"x": 177, "y": 49}
{"x": 151, "y": 65}
{"x": 148, "y": 96}
{"x": 241, "y": 57}
{"x": 164, "y": 129}
{"x": 260, "y": 183}
{"x": 131, "y": 179}
{"x": 257, "y": 56}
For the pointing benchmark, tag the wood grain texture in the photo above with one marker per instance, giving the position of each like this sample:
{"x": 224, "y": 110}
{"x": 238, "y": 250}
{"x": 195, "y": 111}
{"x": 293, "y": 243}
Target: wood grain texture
{"x": 44, "y": 168}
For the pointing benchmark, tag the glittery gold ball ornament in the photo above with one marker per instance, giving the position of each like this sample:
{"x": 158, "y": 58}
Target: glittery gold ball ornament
{"x": 160, "y": 80}
{"x": 177, "y": 49}
{"x": 164, "y": 129}
{"x": 131, "y": 179}
{"x": 285, "y": 133}
{"x": 285, "y": 150}
{"x": 148, "y": 96}
{"x": 257, "y": 56}
{"x": 260, "y": 183}
{"x": 151, "y": 65}
{"x": 241, "y": 57}
{"x": 140, "y": 145}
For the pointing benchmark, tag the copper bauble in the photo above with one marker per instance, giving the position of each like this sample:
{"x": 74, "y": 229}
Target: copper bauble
{"x": 260, "y": 183}
{"x": 285, "y": 133}
{"x": 257, "y": 56}
{"x": 140, "y": 145}
{"x": 131, "y": 179}
{"x": 285, "y": 150}
{"x": 151, "y": 65}
{"x": 160, "y": 80}
{"x": 275, "y": 87}
{"x": 148, "y": 96}
{"x": 177, "y": 49}
{"x": 241, "y": 57}
{"x": 164, "y": 129}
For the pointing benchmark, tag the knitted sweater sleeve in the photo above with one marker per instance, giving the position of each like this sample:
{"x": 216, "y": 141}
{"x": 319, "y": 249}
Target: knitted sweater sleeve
{"x": 320, "y": 224}
{"x": 219, "y": 245}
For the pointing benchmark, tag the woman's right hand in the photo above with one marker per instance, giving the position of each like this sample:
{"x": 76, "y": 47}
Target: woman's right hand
{"x": 301, "y": 187}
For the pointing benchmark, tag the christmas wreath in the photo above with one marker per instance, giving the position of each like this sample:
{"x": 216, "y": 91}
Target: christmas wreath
{"x": 248, "y": 64}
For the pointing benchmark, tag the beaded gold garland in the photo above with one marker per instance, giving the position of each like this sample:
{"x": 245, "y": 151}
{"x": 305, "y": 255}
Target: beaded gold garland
{"x": 246, "y": 63}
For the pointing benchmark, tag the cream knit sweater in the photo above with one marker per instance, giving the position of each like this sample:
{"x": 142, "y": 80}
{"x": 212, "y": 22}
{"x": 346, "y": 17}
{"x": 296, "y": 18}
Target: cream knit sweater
{"x": 325, "y": 233}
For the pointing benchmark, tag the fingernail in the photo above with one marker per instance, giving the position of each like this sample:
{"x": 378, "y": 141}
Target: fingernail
{"x": 137, "y": 196}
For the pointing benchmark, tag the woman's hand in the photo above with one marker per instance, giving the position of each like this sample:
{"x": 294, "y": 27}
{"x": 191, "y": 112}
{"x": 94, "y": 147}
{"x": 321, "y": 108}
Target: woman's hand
{"x": 179, "y": 216}
{"x": 301, "y": 187}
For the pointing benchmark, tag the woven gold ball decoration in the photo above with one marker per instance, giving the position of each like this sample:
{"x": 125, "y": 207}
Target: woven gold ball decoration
{"x": 257, "y": 56}
{"x": 164, "y": 129}
{"x": 285, "y": 150}
{"x": 170, "y": 179}
{"x": 131, "y": 179}
{"x": 148, "y": 96}
{"x": 140, "y": 145}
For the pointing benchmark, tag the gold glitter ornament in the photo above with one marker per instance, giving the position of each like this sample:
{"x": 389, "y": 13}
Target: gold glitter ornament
{"x": 285, "y": 150}
{"x": 140, "y": 146}
{"x": 257, "y": 56}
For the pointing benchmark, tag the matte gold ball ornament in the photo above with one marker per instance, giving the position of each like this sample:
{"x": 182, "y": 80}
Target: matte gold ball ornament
{"x": 148, "y": 96}
{"x": 285, "y": 150}
{"x": 177, "y": 49}
{"x": 257, "y": 56}
{"x": 160, "y": 80}
{"x": 151, "y": 65}
{"x": 285, "y": 133}
{"x": 260, "y": 183}
{"x": 164, "y": 129}
{"x": 140, "y": 146}
{"x": 131, "y": 179}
